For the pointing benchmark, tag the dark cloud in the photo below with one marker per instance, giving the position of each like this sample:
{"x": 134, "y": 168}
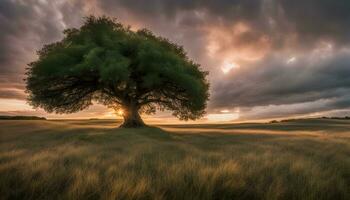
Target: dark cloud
{"x": 25, "y": 27}
{"x": 307, "y": 21}
{"x": 225, "y": 9}
{"x": 279, "y": 80}
{"x": 319, "y": 19}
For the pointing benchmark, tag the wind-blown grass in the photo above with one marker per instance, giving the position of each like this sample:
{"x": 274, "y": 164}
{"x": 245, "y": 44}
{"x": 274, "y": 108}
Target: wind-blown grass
{"x": 93, "y": 160}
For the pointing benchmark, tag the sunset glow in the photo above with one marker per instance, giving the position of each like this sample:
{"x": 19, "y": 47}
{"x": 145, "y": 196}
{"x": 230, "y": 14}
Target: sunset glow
{"x": 13, "y": 105}
{"x": 291, "y": 60}
{"x": 228, "y": 66}
{"x": 120, "y": 112}
{"x": 222, "y": 117}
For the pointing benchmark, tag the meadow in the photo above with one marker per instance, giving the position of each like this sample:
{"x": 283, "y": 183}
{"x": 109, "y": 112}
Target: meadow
{"x": 92, "y": 159}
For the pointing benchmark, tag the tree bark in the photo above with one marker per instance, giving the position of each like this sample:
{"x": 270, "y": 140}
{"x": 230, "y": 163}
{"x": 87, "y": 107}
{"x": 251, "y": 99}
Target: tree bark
{"x": 132, "y": 118}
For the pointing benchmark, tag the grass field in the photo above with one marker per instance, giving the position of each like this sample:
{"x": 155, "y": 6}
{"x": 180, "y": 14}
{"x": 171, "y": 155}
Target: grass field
{"x": 91, "y": 159}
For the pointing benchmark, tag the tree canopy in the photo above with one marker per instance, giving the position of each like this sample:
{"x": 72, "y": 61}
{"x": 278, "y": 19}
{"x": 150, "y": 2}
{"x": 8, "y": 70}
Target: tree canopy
{"x": 107, "y": 62}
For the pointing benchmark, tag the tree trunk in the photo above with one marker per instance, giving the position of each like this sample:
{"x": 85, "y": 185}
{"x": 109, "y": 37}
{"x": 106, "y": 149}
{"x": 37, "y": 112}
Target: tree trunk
{"x": 132, "y": 118}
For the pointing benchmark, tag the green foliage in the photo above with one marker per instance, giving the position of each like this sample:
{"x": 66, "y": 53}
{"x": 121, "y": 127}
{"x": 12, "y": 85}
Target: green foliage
{"x": 107, "y": 62}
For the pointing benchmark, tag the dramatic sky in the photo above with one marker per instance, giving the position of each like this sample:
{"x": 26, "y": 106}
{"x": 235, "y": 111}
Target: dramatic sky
{"x": 267, "y": 58}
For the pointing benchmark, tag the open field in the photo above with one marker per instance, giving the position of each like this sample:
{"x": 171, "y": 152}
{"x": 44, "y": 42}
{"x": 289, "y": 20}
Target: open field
{"x": 91, "y": 159}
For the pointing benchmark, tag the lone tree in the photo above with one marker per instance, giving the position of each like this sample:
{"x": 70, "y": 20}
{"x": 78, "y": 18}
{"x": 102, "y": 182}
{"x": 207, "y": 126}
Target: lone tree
{"x": 107, "y": 62}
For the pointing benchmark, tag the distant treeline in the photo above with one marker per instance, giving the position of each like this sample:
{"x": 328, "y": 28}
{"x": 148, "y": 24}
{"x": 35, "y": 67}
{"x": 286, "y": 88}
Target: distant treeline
{"x": 4, "y": 117}
{"x": 291, "y": 120}
{"x": 347, "y": 117}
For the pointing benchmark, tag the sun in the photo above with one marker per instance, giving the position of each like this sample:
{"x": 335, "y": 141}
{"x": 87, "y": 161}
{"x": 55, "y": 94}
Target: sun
{"x": 120, "y": 112}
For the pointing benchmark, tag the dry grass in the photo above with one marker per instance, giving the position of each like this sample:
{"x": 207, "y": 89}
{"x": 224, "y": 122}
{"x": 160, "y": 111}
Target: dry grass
{"x": 93, "y": 160}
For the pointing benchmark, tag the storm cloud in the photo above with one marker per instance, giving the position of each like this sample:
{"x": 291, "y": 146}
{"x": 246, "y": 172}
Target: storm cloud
{"x": 269, "y": 58}
{"x": 277, "y": 81}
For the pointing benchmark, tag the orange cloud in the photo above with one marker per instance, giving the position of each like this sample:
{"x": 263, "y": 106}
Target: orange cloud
{"x": 239, "y": 43}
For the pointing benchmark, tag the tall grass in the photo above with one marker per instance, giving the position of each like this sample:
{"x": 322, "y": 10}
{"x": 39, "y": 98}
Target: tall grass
{"x": 93, "y": 160}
